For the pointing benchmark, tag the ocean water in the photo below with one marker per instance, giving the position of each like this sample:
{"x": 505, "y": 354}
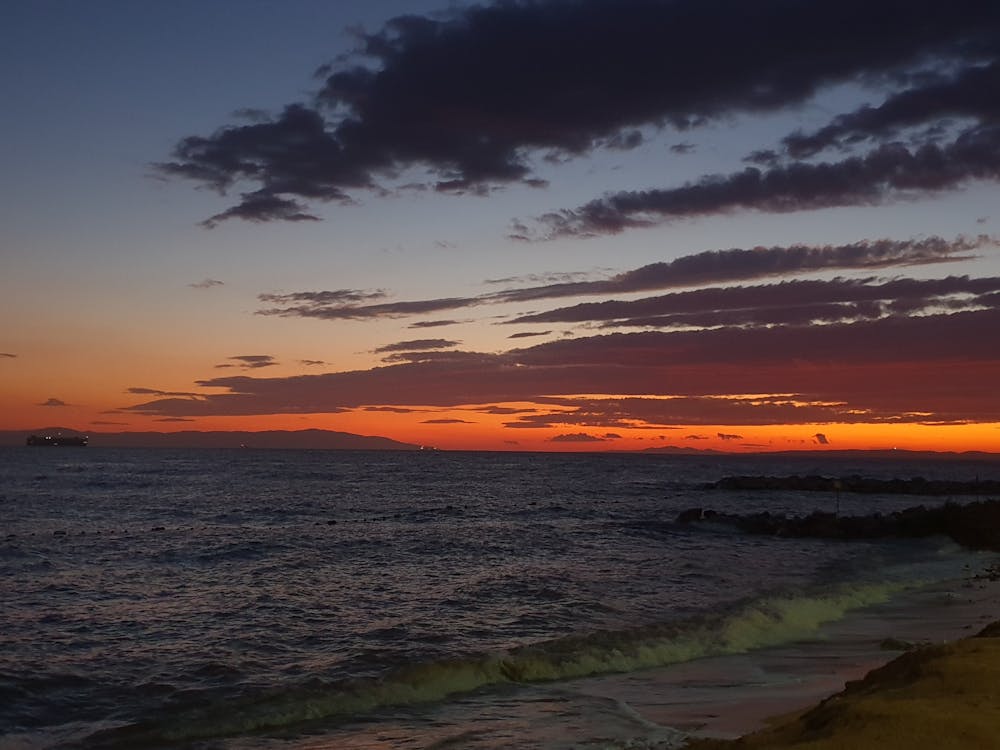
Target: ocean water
{"x": 324, "y": 599}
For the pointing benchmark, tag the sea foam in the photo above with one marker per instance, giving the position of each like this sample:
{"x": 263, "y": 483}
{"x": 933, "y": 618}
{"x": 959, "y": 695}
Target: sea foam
{"x": 755, "y": 624}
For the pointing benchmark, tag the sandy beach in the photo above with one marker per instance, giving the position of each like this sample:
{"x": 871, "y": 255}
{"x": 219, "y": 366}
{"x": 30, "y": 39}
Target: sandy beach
{"x": 936, "y": 696}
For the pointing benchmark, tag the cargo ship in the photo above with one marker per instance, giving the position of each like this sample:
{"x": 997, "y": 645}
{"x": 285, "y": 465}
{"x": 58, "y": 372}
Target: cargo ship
{"x": 73, "y": 440}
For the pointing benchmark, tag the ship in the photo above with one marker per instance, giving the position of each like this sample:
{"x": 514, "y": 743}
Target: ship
{"x": 72, "y": 440}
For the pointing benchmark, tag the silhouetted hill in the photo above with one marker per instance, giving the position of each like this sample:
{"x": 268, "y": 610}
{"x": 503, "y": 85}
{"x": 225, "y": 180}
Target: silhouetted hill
{"x": 322, "y": 439}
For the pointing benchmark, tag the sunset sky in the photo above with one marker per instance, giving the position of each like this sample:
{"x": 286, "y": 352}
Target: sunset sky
{"x": 563, "y": 225}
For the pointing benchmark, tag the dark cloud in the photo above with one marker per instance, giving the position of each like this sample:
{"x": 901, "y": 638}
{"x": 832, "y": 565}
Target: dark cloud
{"x": 417, "y": 345}
{"x": 713, "y": 266}
{"x": 624, "y": 413}
{"x": 390, "y": 409}
{"x": 577, "y": 437}
{"x": 682, "y": 148}
{"x": 433, "y": 323}
{"x": 959, "y": 336}
{"x": 456, "y": 357}
{"x": 158, "y": 392}
{"x": 898, "y": 369}
{"x": 820, "y": 438}
{"x": 745, "y": 264}
{"x": 528, "y": 334}
{"x": 251, "y": 361}
{"x": 762, "y": 157}
{"x": 446, "y": 95}
{"x": 53, "y": 402}
{"x": 206, "y": 284}
{"x": 785, "y": 303}
{"x": 936, "y": 130}
{"x": 261, "y": 206}
{"x": 725, "y": 436}
{"x": 950, "y": 96}
{"x": 236, "y": 404}
{"x": 311, "y": 362}
{"x": 6, "y": 355}
{"x": 553, "y": 277}
{"x": 292, "y": 154}
{"x": 503, "y": 410}
{"x": 332, "y": 298}
{"x": 652, "y": 413}
{"x": 446, "y": 421}
{"x": 889, "y": 172}
{"x": 175, "y": 419}
{"x": 315, "y": 305}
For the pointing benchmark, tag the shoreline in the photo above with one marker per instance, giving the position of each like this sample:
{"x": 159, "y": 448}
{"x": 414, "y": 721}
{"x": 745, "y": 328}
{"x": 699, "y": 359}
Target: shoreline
{"x": 935, "y": 695}
{"x": 723, "y": 697}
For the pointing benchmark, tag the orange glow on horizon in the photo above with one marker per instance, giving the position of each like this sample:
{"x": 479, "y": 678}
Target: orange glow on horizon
{"x": 474, "y": 428}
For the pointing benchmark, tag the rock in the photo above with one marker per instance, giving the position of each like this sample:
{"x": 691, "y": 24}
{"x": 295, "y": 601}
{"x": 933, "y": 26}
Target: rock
{"x": 855, "y": 483}
{"x": 975, "y": 525}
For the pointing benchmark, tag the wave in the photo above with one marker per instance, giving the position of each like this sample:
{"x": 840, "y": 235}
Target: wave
{"x": 763, "y": 622}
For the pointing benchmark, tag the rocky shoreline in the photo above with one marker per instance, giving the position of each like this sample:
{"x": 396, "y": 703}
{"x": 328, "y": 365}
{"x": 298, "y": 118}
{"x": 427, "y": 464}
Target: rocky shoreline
{"x": 974, "y": 525}
{"x": 858, "y": 484}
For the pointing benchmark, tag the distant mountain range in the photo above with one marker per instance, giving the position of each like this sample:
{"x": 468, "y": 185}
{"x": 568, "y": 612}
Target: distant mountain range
{"x": 322, "y": 439}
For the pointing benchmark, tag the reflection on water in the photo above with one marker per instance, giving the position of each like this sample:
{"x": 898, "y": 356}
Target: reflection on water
{"x": 250, "y": 589}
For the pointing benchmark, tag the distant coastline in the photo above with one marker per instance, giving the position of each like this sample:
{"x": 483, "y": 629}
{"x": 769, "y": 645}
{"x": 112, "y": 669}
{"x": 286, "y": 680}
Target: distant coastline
{"x": 270, "y": 439}
{"x": 57, "y": 440}
{"x": 332, "y": 440}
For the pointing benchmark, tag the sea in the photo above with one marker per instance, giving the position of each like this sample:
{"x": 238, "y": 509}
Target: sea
{"x": 290, "y": 600}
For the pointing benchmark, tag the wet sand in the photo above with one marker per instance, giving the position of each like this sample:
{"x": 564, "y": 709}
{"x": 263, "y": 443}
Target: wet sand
{"x": 938, "y": 696}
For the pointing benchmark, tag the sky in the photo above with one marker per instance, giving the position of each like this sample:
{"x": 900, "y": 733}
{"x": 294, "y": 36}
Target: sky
{"x": 740, "y": 225}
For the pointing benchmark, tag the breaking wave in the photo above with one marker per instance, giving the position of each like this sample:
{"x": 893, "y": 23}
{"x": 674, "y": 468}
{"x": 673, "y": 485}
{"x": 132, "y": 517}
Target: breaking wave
{"x": 759, "y": 623}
